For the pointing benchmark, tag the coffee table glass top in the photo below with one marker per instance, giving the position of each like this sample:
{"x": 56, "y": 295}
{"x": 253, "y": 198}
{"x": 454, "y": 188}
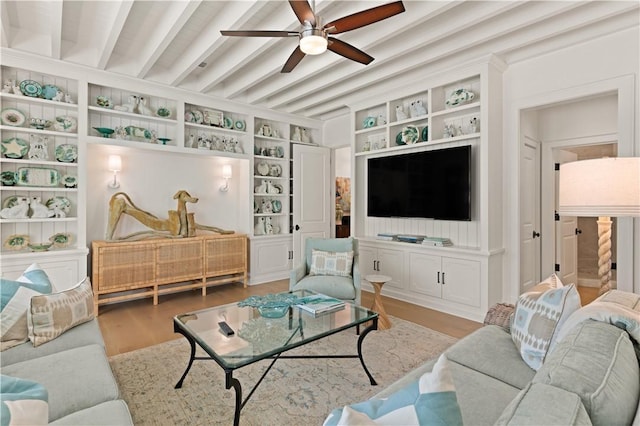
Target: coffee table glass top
{"x": 257, "y": 337}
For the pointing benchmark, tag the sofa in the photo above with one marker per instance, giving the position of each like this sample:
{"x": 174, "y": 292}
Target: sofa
{"x": 589, "y": 375}
{"x": 55, "y": 370}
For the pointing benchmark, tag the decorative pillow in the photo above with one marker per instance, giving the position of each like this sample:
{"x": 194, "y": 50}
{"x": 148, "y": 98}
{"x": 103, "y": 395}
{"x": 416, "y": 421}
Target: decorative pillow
{"x": 538, "y": 318}
{"x": 51, "y": 315}
{"x": 14, "y": 303}
{"x": 429, "y": 401}
{"x": 331, "y": 263}
{"x": 23, "y": 402}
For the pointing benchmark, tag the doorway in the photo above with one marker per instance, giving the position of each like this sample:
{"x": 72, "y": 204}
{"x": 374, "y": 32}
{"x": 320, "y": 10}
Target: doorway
{"x": 342, "y": 172}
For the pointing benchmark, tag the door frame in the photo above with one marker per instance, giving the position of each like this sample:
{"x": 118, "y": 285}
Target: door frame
{"x": 623, "y": 87}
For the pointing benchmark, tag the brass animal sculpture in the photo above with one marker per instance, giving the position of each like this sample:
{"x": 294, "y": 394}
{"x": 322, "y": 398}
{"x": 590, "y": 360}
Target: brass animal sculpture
{"x": 180, "y": 223}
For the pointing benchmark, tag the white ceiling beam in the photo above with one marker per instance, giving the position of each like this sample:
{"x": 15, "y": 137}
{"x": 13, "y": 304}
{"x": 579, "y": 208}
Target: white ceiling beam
{"x": 111, "y": 36}
{"x": 55, "y": 30}
{"x": 173, "y": 21}
{"x": 418, "y": 14}
{"x": 233, "y": 13}
{"x": 5, "y": 32}
{"x": 438, "y": 47}
{"x": 251, "y": 47}
{"x": 366, "y": 86}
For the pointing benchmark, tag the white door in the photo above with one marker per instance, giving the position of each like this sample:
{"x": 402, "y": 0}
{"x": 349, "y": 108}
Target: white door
{"x": 529, "y": 213}
{"x": 311, "y": 196}
{"x": 566, "y": 229}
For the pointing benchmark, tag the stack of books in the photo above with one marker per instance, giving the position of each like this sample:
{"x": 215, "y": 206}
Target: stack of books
{"x": 436, "y": 242}
{"x": 320, "y": 304}
{"x": 416, "y": 239}
{"x": 387, "y": 237}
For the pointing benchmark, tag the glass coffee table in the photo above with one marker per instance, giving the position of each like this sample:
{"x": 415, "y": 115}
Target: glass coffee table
{"x": 257, "y": 337}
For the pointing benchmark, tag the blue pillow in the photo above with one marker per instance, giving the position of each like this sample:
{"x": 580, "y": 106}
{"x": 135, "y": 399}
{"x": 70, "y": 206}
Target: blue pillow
{"x": 23, "y": 402}
{"x": 431, "y": 400}
{"x": 15, "y": 298}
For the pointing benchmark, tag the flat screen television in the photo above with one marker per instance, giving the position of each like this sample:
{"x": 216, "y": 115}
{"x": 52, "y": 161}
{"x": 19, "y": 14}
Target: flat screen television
{"x": 428, "y": 184}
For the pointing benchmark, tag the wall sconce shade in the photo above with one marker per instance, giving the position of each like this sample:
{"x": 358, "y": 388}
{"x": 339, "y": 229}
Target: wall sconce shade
{"x": 603, "y": 187}
{"x": 227, "y": 172}
{"x": 114, "y": 165}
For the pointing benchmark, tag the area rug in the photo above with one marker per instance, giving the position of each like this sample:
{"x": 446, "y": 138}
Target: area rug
{"x": 295, "y": 392}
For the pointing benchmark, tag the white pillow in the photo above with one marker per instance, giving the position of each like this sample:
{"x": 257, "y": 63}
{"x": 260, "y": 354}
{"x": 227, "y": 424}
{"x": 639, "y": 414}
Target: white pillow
{"x": 331, "y": 263}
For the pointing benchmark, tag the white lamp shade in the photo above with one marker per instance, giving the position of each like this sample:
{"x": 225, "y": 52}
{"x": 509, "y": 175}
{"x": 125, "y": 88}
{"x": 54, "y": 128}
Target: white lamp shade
{"x": 115, "y": 163}
{"x": 313, "y": 44}
{"x": 600, "y": 187}
{"x": 227, "y": 172}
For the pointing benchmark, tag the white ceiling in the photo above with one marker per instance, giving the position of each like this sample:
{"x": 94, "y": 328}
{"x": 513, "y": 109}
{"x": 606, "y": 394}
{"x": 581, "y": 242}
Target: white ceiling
{"x": 165, "y": 41}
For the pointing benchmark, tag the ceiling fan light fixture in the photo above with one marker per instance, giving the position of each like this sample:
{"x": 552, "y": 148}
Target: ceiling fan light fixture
{"x": 313, "y": 41}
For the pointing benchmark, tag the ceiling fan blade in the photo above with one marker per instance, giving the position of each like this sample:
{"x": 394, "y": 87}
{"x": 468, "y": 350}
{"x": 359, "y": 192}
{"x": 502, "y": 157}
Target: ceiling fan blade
{"x": 366, "y": 17}
{"x": 293, "y": 60}
{"x": 303, "y": 11}
{"x": 250, "y": 33}
{"x": 348, "y": 51}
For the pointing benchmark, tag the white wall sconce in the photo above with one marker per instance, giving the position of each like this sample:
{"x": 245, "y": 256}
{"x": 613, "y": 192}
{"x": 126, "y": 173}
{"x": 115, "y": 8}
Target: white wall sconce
{"x": 115, "y": 165}
{"x": 226, "y": 174}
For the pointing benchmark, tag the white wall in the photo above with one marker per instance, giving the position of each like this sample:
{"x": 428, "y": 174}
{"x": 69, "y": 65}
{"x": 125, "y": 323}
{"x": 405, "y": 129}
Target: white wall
{"x": 151, "y": 179}
{"x": 608, "y": 62}
{"x": 343, "y": 162}
{"x": 337, "y": 131}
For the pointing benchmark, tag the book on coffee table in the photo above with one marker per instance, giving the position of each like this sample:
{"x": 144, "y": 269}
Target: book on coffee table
{"x": 320, "y": 304}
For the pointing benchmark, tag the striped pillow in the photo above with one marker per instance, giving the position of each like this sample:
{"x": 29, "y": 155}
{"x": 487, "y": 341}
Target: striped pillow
{"x": 15, "y": 297}
{"x": 51, "y": 315}
{"x": 331, "y": 263}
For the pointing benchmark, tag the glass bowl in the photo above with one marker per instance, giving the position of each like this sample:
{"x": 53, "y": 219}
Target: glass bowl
{"x": 273, "y": 311}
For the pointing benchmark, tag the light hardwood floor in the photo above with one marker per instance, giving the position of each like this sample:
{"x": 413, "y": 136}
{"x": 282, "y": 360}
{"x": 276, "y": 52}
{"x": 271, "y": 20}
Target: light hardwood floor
{"x": 137, "y": 324}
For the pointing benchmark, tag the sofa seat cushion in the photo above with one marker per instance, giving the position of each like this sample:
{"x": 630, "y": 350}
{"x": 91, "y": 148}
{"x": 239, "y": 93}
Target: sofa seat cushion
{"x": 596, "y": 361}
{"x": 338, "y": 287}
{"x": 491, "y": 351}
{"x": 106, "y": 414}
{"x": 81, "y": 335}
{"x": 75, "y": 379}
{"x": 540, "y": 404}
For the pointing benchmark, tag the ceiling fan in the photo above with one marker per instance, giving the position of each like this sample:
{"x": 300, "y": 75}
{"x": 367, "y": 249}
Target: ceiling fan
{"x": 315, "y": 38}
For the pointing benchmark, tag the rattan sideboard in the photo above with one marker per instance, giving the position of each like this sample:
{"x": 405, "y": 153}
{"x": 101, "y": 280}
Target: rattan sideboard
{"x": 134, "y": 269}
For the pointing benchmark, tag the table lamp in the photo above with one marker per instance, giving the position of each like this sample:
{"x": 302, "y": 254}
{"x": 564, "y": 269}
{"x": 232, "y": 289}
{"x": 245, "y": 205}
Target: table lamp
{"x": 602, "y": 188}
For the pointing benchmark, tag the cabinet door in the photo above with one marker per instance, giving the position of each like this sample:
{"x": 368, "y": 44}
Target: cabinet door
{"x": 424, "y": 274}
{"x": 271, "y": 256}
{"x": 367, "y": 258}
{"x": 390, "y": 263}
{"x": 122, "y": 266}
{"x": 461, "y": 281}
{"x": 225, "y": 255}
{"x": 179, "y": 260}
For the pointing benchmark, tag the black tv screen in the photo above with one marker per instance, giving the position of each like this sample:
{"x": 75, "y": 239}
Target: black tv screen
{"x": 428, "y": 184}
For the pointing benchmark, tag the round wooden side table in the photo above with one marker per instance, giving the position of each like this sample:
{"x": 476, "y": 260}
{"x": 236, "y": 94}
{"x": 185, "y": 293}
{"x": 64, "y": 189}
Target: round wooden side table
{"x": 378, "y": 281}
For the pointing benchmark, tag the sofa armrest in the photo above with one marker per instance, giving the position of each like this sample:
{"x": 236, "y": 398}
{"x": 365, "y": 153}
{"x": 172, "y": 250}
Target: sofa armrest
{"x": 296, "y": 274}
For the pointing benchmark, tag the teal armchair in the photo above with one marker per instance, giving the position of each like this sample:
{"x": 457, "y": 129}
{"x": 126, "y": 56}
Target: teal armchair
{"x": 344, "y": 288}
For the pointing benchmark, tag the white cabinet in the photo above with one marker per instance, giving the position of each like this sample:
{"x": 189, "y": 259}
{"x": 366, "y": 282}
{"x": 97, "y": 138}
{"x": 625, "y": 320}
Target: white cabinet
{"x": 271, "y": 258}
{"x": 452, "y": 279}
{"x": 42, "y": 164}
{"x": 381, "y": 261}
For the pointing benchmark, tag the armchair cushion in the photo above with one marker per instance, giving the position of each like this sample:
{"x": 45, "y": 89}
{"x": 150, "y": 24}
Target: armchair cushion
{"x": 331, "y": 263}
{"x": 338, "y": 287}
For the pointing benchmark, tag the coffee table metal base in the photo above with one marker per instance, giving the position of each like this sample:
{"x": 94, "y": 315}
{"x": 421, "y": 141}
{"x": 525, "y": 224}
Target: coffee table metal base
{"x": 231, "y": 382}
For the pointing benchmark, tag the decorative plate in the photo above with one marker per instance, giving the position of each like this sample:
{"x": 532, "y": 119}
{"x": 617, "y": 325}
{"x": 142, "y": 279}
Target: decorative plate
{"x": 36, "y": 176}
{"x": 279, "y": 152}
{"x": 61, "y": 203}
{"x": 240, "y": 125}
{"x": 425, "y": 133}
{"x": 399, "y": 140}
{"x": 61, "y": 239}
{"x": 8, "y": 178}
{"x": 13, "y": 117}
{"x": 198, "y": 117}
{"x": 16, "y": 242}
{"x": 275, "y": 170}
{"x": 188, "y": 117}
{"x": 163, "y": 112}
{"x": 40, "y": 246}
{"x": 49, "y": 91}
{"x": 459, "y": 97}
{"x": 31, "y": 88}
{"x": 369, "y": 122}
{"x": 70, "y": 181}
{"x": 262, "y": 168}
{"x": 277, "y": 206}
{"x": 228, "y": 123}
{"x": 410, "y": 135}
{"x": 67, "y": 153}
{"x": 14, "y": 147}
{"x": 104, "y": 102}
{"x": 66, "y": 123}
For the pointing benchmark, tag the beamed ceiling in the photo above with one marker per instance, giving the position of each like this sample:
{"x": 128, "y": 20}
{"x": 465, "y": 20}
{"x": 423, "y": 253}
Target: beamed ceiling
{"x": 167, "y": 41}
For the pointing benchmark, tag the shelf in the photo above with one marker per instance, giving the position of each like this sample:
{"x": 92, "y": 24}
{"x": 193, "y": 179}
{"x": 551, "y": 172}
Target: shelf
{"x": 39, "y": 101}
{"x": 271, "y": 138}
{"x": 36, "y": 188}
{"x": 215, "y": 129}
{"x": 37, "y": 131}
{"x": 51, "y": 252}
{"x": 460, "y": 108}
{"x": 39, "y": 220}
{"x": 409, "y": 120}
{"x": 270, "y": 177}
{"x": 371, "y": 129}
{"x": 269, "y": 195}
{"x": 131, "y": 115}
{"x": 269, "y": 214}
{"x": 38, "y": 162}
{"x": 268, "y": 158}
{"x": 419, "y": 144}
